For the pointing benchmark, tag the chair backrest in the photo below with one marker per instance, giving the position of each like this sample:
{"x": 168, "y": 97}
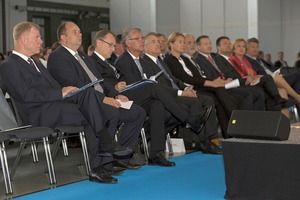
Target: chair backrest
{"x": 7, "y": 119}
{"x": 18, "y": 117}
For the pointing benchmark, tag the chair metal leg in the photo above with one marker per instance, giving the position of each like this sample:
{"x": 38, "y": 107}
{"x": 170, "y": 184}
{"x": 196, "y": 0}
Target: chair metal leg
{"x": 17, "y": 160}
{"x": 49, "y": 161}
{"x": 34, "y": 152}
{"x": 64, "y": 145}
{"x": 169, "y": 143}
{"x": 85, "y": 152}
{"x": 56, "y": 146}
{"x": 296, "y": 113}
{"x": 5, "y": 171}
{"x": 145, "y": 144}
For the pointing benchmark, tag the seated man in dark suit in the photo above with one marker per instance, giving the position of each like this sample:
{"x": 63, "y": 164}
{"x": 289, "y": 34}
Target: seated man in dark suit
{"x": 72, "y": 67}
{"x": 182, "y": 94}
{"x": 38, "y": 97}
{"x": 253, "y": 98}
{"x": 290, "y": 82}
{"x": 223, "y": 59}
{"x": 131, "y": 66}
{"x": 146, "y": 96}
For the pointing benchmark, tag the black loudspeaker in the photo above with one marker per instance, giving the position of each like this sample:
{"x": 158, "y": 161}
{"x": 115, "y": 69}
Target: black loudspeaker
{"x": 267, "y": 125}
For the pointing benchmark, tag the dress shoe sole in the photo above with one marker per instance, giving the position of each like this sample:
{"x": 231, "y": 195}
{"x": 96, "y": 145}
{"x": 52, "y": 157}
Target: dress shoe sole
{"x": 126, "y": 166}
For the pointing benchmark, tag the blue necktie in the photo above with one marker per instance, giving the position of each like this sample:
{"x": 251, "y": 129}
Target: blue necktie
{"x": 137, "y": 61}
{"x": 167, "y": 75}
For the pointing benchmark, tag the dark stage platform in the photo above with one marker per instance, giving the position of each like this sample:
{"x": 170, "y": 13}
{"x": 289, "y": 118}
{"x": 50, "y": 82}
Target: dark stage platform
{"x": 263, "y": 169}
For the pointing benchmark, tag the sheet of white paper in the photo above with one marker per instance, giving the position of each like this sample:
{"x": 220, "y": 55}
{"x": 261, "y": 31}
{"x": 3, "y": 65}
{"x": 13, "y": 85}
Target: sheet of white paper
{"x": 232, "y": 84}
{"x": 275, "y": 72}
{"x": 126, "y": 105}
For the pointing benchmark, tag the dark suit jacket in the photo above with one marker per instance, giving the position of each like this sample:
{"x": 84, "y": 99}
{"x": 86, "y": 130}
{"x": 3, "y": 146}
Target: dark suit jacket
{"x": 127, "y": 66}
{"x": 151, "y": 69}
{"x": 227, "y": 69}
{"x": 37, "y": 95}
{"x": 206, "y": 66}
{"x": 65, "y": 68}
{"x": 256, "y": 66}
{"x": 106, "y": 71}
{"x": 113, "y": 58}
{"x": 178, "y": 71}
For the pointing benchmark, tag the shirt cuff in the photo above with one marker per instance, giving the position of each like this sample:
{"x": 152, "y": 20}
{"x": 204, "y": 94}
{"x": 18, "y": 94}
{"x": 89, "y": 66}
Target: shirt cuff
{"x": 179, "y": 93}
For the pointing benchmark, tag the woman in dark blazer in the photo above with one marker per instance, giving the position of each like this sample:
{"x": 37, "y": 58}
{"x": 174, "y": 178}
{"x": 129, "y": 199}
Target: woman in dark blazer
{"x": 182, "y": 68}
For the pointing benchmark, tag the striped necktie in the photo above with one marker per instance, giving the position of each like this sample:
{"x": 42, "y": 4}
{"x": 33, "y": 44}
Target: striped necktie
{"x": 167, "y": 75}
{"x": 137, "y": 61}
{"x": 97, "y": 86}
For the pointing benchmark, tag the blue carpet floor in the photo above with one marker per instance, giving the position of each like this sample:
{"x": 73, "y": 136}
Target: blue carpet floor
{"x": 196, "y": 176}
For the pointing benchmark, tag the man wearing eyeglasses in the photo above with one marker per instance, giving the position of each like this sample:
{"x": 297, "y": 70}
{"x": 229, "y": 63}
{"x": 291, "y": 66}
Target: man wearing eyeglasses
{"x": 131, "y": 66}
{"x": 72, "y": 67}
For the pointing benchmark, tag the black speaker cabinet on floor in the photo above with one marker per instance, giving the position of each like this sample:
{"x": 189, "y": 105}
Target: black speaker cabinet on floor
{"x": 262, "y": 169}
{"x": 268, "y": 125}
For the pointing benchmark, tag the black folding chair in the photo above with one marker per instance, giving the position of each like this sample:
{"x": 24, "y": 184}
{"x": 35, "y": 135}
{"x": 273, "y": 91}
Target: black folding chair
{"x": 61, "y": 139}
{"x": 31, "y": 134}
{"x": 4, "y": 137}
{"x": 25, "y": 134}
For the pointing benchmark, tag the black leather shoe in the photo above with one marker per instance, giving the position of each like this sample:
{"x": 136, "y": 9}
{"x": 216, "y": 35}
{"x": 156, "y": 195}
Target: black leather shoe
{"x": 200, "y": 119}
{"x": 109, "y": 171}
{"x": 116, "y": 150}
{"x": 210, "y": 147}
{"x": 101, "y": 177}
{"x": 160, "y": 160}
{"x": 123, "y": 165}
{"x": 279, "y": 100}
{"x": 289, "y": 103}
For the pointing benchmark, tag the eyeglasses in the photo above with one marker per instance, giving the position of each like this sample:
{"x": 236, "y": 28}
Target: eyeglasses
{"x": 110, "y": 44}
{"x": 139, "y": 38}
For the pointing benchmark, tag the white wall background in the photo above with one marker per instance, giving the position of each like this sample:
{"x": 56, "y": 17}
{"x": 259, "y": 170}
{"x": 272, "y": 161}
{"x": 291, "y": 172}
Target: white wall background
{"x": 276, "y": 23}
{"x": 290, "y": 29}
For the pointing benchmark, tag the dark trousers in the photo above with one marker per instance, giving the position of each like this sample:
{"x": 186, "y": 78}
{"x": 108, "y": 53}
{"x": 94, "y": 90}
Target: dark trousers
{"x": 252, "y": 98}
{"x": 293, "y": 79}
{"x": 224, "y": 102}
{"x": 129, "y": 122}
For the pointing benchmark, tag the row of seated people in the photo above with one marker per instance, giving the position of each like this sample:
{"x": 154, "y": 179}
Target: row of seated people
{"x": 178, "y": 98}
{"x": 229, "y": 64}
{"x": 196, "y": 69}
{"x": 39, "y": 94}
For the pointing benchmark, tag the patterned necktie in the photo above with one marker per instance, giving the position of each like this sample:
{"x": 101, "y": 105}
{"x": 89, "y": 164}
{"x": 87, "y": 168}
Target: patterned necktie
{"x": 167, "y": 75}
{"x": 211, "y": 60}
{"x": 31, "y": 62}
{"x": 113, "y": 68}
{"x": 137, "y": 61}
{"x": 201, "y": 72}
{"x": 97, "y": 86}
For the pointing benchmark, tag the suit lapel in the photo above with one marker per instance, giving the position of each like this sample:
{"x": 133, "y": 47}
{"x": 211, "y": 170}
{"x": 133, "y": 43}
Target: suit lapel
{"x": 108, "y": 68}
{"x": 43, "y": 71}
{"x": 25, "y": 64}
